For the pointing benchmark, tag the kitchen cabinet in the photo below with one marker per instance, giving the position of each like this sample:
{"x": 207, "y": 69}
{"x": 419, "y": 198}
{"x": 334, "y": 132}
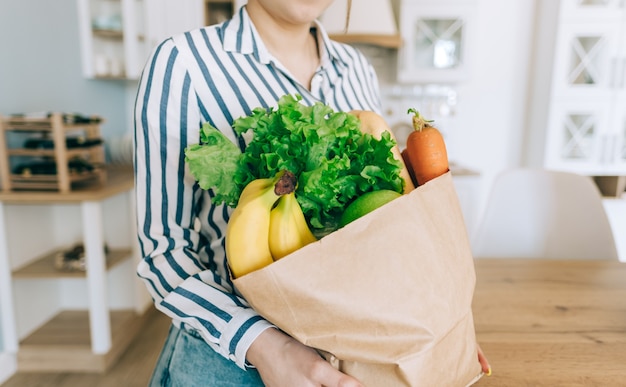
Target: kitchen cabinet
{"x": 579, "y": 96}
{"x": 71, "y": 339}
{"x": 437, "y": 38}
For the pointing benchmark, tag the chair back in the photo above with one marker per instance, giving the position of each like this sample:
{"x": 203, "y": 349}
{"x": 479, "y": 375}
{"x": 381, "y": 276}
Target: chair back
{"x": 538, "y": 213}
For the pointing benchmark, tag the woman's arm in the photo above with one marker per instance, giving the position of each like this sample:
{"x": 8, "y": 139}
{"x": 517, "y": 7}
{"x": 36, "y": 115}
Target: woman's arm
{"x": 184, "y": 270}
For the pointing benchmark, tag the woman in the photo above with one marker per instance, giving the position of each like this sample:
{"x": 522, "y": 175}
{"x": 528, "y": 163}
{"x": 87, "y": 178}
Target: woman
{"x": 216, "y": 74}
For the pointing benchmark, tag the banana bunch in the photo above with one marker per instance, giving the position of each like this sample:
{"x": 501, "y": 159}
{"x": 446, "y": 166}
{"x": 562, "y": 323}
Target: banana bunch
{"x": 266, "y": 225}
{"x": 288, "y": 228}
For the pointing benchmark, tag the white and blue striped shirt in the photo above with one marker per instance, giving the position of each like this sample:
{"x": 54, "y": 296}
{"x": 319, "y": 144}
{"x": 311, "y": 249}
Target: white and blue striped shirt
{"x": 214, "y": 74}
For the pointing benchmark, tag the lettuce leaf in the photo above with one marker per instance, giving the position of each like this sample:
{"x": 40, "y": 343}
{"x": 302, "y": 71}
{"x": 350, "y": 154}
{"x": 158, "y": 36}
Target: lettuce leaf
{"x": 213, "y": 163}
{"x": 334, "y": 161}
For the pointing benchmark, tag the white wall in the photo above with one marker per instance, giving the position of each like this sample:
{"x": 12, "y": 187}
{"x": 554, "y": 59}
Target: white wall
{"x": 488, "y": 130}
{"x": 491, "y": 120}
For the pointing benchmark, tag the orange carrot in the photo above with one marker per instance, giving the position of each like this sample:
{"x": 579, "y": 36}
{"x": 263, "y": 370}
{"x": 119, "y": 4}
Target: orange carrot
{"x": 425, "y": 150}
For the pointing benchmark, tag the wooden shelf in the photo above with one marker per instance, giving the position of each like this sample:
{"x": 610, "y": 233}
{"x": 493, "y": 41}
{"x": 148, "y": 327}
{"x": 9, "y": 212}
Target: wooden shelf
{"x": 118, "y": 180}
{"x": 389, "y": 41}
{"x": 51, "y": 182}
{"x": 111, "y": 77}
{"x": 71, "y": 152}
{"x": 45, "y": 124}
{"x": 109, "y": 34}
{"x": 44, "y": 266}
{"x": 63, "y": 343}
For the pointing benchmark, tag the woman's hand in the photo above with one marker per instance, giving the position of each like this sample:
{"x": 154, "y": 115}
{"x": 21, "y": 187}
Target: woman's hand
{"x": 283, "y": 361}
{"x": 484, "y": 363}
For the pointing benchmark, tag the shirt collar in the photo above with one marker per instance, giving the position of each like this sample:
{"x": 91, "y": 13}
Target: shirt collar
{"x": 240, "y": 36}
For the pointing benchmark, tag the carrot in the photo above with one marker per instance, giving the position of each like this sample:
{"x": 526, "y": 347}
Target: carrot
{"x": 425, "y": 150}
{"x": 375, "y": 124}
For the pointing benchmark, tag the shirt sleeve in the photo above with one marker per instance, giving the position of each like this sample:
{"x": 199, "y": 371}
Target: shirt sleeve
{"x": 191, "y": 290}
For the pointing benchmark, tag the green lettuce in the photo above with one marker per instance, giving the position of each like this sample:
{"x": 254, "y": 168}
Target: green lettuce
{"x": 333, "y": 160}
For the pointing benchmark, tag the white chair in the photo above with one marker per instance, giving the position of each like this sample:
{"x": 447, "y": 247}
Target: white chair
{"x": 537, "y": 213}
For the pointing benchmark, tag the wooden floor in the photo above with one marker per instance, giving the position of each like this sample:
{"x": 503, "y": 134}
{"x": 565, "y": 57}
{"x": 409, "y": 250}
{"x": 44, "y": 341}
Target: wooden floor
{"x": 133, "y": 369}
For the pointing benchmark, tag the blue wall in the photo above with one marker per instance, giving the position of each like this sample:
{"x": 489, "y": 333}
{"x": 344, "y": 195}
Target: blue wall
{"x": 40, "y": 66}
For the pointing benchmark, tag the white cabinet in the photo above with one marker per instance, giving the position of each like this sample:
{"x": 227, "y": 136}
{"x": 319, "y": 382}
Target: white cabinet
{"x": 60, "y": 320}
{"x": 585, "y": 109}
{"x": 437, "y": 40}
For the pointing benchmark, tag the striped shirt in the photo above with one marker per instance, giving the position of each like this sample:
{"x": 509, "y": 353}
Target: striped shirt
{"x": 214, "y": 74}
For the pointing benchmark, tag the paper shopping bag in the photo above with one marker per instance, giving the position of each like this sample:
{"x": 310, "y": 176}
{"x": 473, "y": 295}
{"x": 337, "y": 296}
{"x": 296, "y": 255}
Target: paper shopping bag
{"x": 386, "y": 299}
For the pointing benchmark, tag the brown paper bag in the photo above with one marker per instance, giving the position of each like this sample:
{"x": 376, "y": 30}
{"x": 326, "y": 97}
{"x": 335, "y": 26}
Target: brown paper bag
{"x": 386, "y": 299}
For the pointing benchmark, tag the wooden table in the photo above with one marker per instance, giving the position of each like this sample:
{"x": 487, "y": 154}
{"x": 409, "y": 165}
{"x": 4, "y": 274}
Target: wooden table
{"x": 552, "y": 323}
{"x": 110, "y": 332}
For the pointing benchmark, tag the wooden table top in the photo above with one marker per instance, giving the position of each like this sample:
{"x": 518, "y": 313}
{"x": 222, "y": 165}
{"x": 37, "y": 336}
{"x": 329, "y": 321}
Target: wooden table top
{"x": 119, "y": 179}
{"x": 551, "y": 323}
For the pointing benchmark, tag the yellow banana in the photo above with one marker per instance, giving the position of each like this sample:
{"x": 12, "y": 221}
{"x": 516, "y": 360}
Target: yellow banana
{"x": 247, "y": 232}
{"x": 288, "y": 228}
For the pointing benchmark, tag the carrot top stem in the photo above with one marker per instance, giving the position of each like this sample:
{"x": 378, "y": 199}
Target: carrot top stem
{"x": 419, "y": 122}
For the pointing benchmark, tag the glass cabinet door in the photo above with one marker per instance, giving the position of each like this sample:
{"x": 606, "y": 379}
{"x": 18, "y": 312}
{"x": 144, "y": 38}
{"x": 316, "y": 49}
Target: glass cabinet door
{"x": 585, "y": 61}
{"x": 577, "y": 138}
{"x": 436, "y": 42}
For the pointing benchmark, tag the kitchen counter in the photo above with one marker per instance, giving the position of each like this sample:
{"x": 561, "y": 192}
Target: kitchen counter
{"x": 552, "y": 322}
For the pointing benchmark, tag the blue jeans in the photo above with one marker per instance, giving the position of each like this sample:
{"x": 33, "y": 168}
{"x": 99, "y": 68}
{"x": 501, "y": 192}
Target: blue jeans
{"x": 187, "y": 361}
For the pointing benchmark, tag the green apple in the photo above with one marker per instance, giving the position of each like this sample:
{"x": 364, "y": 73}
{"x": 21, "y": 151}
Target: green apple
{"x": 367, "y": 203}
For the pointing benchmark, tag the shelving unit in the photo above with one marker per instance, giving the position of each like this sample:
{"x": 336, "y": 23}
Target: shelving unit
{"x": 579, "y": 91}
{"x": 112, "y": 36}
{"x": 55, "y": 130}
{"x": 43, "y": 267}
{"x": 72, "y": 340}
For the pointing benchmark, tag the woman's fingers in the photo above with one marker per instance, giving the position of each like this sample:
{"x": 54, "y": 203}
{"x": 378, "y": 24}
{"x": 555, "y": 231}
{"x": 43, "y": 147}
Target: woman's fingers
{"x": 484, "y": 363}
